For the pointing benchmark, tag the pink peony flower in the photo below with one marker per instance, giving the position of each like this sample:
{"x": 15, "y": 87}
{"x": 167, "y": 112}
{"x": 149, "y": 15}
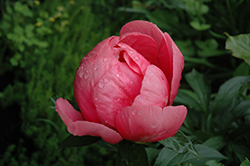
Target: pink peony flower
{"x": 125, "y": 87}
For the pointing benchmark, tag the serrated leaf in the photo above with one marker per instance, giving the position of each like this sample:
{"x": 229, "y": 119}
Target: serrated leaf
{"x": 77, "y": 141}
{"x": 180, "y": 144}
{"x": 131, "y": 154}
{"x": 201, "y": 87}
{"x": 240, "y": 46}
{"x": 168, "y": 157}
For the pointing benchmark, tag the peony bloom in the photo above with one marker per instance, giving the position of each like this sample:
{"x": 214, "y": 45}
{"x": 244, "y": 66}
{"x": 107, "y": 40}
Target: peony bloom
{"x": 125, "y": 87}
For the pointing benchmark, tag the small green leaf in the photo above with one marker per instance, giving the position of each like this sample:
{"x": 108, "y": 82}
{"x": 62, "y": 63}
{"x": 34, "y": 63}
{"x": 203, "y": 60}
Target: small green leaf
{"x": 131, "y": 154}
{"x": 213, "y": 163}
{"x": 201, "y": 86}
{"x": 77, "y": 141}
{"x": 245, "y": 163}
{"x": 240, "y": 46}
{"x": 180, "y": 144}
{"x": 198, "y": 26}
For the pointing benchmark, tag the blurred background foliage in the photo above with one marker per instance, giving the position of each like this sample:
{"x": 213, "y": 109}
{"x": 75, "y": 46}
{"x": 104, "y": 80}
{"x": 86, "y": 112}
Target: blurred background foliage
{"x": 42, "y": 43}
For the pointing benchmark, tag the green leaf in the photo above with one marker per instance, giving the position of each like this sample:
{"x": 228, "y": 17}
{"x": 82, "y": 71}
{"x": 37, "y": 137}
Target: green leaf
{"x": 186, "y": 47}
{"x": 180, "y": 144}
{"x": 217, "y": 142}
{"x": 107, "y": 145}
{"x": 198, "y": 26}
{"x": 240, "y": 46}
{"x": 168, "y": 157}
{"x": 77, "y": 141}
{"x": 213, "y": 163}
{"x": 152, "y": 154}
{"x": 201, "y": 87}
{"x": 242, "y": 70}
{"x": 245, "y": 163}
{"x": 131, "y": 154}
{"x": 226, "y": 93}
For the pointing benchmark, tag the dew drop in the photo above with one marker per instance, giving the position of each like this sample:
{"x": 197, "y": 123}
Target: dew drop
{"x": 105, "y": 59}
{"x": 117, "y": 75}
{"x": 101, "y": 85}
{"x": 86, "y": 76}
{"x": 95, "y": 68}
{"x": 133, "y": 112}
{"x": 131, "y": 52}
{"x": 154, "y": 125}
{"x": 106, "y": 80}
{"x": 81, "y": 74}
{"x": 123, "y": 116}
{"x": 96, "y": 98}
{"x": 136, "y": 58}
{"x": 140, "y": 112}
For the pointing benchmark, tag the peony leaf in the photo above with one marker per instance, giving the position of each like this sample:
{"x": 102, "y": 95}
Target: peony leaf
{"x": 240, "y": 46}
{"x": 77, "y": 141}
{"x": 168, "y": 157}
{"x": 201, "y": 87}
{"x": 131, "y": 154}
{"x": 180, "y": 143}
{"x": 245, "y": 163}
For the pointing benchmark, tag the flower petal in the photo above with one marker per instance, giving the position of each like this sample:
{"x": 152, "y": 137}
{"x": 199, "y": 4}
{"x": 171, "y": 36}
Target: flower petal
{"x": 165, "y": 54}
{"x": 67, "y": 113}
{"x": 155, "y": 89}
{"x": 147, "y": 123}
{"x": 81, "y": 128}
{"x": 115, "y": 90}
{"x": 92, "y": 68}
{"x": 178, "y": 65}
{"x": 143, "y": 44}
{"x": 135, "y": 60}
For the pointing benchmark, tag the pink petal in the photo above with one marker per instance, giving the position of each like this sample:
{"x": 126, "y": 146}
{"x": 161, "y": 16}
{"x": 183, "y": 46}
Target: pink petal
{"x": 81, "y": 128}
{"x": 115, "y": 90}
{"x": 178, "y": 65}
{"x": 165, "y": 55}
{"x": 92, "y": 68}
{"x": 134, "y": 59}
{"x": 77, "y": 126}
{"x": 147, "y": 123}
{"x": 67, "y": 113}
{"x": 143, "y": 44}
{"x": 154, "y": 90}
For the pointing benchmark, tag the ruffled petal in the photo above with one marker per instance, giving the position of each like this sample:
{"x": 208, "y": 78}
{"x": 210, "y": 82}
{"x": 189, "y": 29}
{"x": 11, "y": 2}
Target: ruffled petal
{"x": 92, "y": 68}
{"x": 165, "y": 54}
{"x": 114, "y": 91}
{"x": 135, "y": 60}
{"x": 81, "y": 128}
{"x": 67, "y": 113}
{"x": 143, "y": 44}
{"x": 178, "y": 65}
{"x": 147, "y": 123}
{"x": 154, "y": 90}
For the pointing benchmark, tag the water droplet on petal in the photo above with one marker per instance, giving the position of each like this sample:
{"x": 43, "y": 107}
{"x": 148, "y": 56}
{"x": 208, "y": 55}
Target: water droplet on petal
{"x": 81, "y": 74}
{"x": 133, "y": 112}
{"x": 96, "y": 98}
{"x": 154, "y": 124}
{"x": 140, "y": 112}
{"x": 101, "y": 85}
{"x": 95, "y": 68}
{"x": 106, "y": 80}
{"x": 117, "y": 75}
{"x": 131, "y": 52}
{"x": 105, "y": 59}
{"x": 86, "y": 76}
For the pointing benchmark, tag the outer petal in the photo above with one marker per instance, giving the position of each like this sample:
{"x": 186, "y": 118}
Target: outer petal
{"x": 92, "y": 68}
{"x": 178, "y": 65}
{"x": 77, "y": 126}
{"x": 116, "y": 90}
{"x": 67, "y": 113}
{"x": 81, "y": 128}
{"x": 143, "y": 44}
{"x": 155, "y": 89}
{"x": 147, "y": 123}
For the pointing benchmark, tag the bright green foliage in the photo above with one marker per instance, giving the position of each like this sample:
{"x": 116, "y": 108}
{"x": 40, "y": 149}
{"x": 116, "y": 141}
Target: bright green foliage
{"x": 240, "y": 46}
